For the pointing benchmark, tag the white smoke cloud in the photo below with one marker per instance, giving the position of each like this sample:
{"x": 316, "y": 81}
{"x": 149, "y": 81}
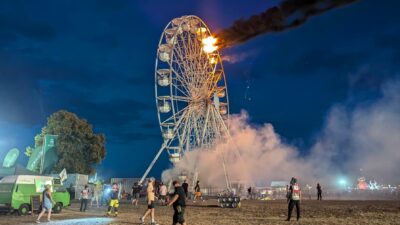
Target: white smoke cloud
{"x": 366, "y": 136}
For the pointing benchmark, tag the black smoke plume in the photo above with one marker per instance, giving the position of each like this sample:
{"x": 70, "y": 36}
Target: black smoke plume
{"x": 289, "y": 14}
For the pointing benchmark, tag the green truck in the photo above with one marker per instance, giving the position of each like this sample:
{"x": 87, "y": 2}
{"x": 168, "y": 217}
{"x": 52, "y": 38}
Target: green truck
{"x": 19, "y": 191}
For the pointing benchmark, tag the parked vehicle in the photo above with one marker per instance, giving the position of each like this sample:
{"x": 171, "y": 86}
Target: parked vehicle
{"x": 17, "y": 191}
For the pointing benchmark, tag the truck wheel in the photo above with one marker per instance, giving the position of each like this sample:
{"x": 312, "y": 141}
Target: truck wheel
{"x": 23, "y": 209}
{"x": 57, "y": 207}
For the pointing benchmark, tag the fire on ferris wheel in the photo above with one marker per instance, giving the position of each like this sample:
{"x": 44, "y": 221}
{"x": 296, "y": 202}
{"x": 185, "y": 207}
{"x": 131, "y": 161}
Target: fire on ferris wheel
{"x": 190, "y": 89}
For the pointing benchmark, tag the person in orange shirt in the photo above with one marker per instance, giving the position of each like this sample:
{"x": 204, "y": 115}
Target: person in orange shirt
{"x": 150, "y": 202}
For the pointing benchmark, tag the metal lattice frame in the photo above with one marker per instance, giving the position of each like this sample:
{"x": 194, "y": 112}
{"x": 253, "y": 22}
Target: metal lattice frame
{"x": 190, "y": 87}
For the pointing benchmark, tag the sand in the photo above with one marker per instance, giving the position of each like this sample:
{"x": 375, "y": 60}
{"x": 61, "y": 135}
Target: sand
{"x": 251, "y": 212}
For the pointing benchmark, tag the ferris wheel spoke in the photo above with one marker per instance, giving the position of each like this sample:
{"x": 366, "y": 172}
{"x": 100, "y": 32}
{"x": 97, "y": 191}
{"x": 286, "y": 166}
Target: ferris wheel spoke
{"x": 195, "y": 78}
{"x": 180, "y": 98}
{"x": 179, "y": 70}
{"x": 184, "y": 58}
{"x": 184, "y": 83}
{"x": 184, "y": 91}
{"x": 170, "y": 121}
{"x": 186, "y": 129}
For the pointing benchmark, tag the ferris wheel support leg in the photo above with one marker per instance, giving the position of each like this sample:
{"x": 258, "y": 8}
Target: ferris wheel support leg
{"x": 228, "y": 183}
{"x": 164, "y": 145}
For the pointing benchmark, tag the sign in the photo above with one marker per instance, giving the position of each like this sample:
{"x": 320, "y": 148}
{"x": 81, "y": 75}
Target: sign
{"x": 35, "y": 203}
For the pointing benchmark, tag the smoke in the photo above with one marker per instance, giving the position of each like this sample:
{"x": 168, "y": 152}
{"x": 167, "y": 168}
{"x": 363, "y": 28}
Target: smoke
{"x": 289, "y": 14}
{"x": 365, "y": 141}
{"x": 365, "y": 137}
{"x": 235, "y": 58}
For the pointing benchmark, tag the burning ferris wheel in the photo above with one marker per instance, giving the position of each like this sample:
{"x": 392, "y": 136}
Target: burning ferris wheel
{"x": 190, "y": 87}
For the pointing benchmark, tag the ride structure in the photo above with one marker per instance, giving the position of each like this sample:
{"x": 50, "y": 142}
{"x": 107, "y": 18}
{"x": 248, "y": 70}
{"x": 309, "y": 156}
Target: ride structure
{"x": 191, "y": 91}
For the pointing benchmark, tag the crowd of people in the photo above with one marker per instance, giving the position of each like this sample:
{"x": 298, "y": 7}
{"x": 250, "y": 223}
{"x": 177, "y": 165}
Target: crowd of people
{"x": 157, "y": 192}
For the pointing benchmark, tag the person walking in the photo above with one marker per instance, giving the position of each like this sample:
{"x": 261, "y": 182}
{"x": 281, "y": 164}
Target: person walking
{"x": 295, "y": 197}
{"x": 163, "y": 193}
{"x": 84, "y": 198}
{"x": 150, "y": 202}
{"x": 197, "y": 191}
{"x": 47, "y": 204}
{"x": 185, "y": 187}
{"x": 179, "y": 204}
{"x": 319, "y": 191}
{"x": 114, "y": 202}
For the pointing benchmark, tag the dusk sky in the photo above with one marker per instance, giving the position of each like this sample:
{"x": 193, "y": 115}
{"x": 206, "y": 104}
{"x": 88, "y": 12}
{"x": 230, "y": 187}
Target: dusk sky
{"x": 96, "y": 59}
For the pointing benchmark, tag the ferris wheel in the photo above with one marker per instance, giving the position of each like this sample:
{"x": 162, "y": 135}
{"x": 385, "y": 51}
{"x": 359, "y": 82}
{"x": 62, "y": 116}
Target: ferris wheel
{"x": 190, "y": 89}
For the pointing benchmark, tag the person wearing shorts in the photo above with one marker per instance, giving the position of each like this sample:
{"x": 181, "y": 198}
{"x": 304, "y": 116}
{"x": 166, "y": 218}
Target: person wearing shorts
{"x": 150, "y": 202}
{"x": 197, "y": 192}
{"x": 163, "y": 193}
{"x": 179, "y": 204}
{"x": 114, "y": 202}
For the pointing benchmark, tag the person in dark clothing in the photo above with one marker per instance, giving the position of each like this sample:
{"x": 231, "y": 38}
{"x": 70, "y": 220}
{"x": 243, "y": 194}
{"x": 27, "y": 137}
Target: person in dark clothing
{"x": 136, "y": 188}
{"x": 197, "y": 191}
{"x": 179, "y": 204}
{"x": 185, "y": 187}
{"x": 287, "y": 194}
{"x": 319, "y": 191}
{"x": 295, "y": 197}
{"x": 249, "y": 193}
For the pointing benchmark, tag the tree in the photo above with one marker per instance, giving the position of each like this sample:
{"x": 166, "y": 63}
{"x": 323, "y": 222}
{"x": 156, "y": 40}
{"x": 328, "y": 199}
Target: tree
{"x": 79, "y": 149}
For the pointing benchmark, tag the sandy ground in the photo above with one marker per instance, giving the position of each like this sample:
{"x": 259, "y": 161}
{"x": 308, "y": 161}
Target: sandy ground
{"x": 251, "y": 212}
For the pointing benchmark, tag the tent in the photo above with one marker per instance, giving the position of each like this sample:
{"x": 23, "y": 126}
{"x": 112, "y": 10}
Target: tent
{"x": 15, "y": 170}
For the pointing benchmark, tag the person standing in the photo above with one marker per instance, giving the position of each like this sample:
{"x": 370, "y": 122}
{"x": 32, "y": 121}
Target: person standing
{"x": 47, "y": 204}
{"x": 185, "y": 187}
{"x": 249, "y": 194}
{"x": 197, "y": 191}
{"x": 96, "y": 194}
{"x": 136, "y": 188}
{"x": 163, "y": 193}
{"x": 179, "y": 204}
{"x": 84, "y": 198}
{"x": 295, "y": 197}
{"x": 150, "y": 202}
{"x": 319, "y": 191}
{"x": 114, "y": 202}
{"x": 287, "y": 194}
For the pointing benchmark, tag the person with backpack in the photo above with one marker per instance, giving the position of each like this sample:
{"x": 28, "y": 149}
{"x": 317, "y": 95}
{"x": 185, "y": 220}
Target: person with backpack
{"x": 295, "y": 198}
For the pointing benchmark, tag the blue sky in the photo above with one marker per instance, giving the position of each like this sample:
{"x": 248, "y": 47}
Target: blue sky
{"x": 96, "y": 59}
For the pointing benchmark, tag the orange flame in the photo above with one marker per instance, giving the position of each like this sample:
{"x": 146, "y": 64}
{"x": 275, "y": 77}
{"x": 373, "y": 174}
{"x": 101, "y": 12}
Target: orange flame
{"x": 209, "y": 44}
